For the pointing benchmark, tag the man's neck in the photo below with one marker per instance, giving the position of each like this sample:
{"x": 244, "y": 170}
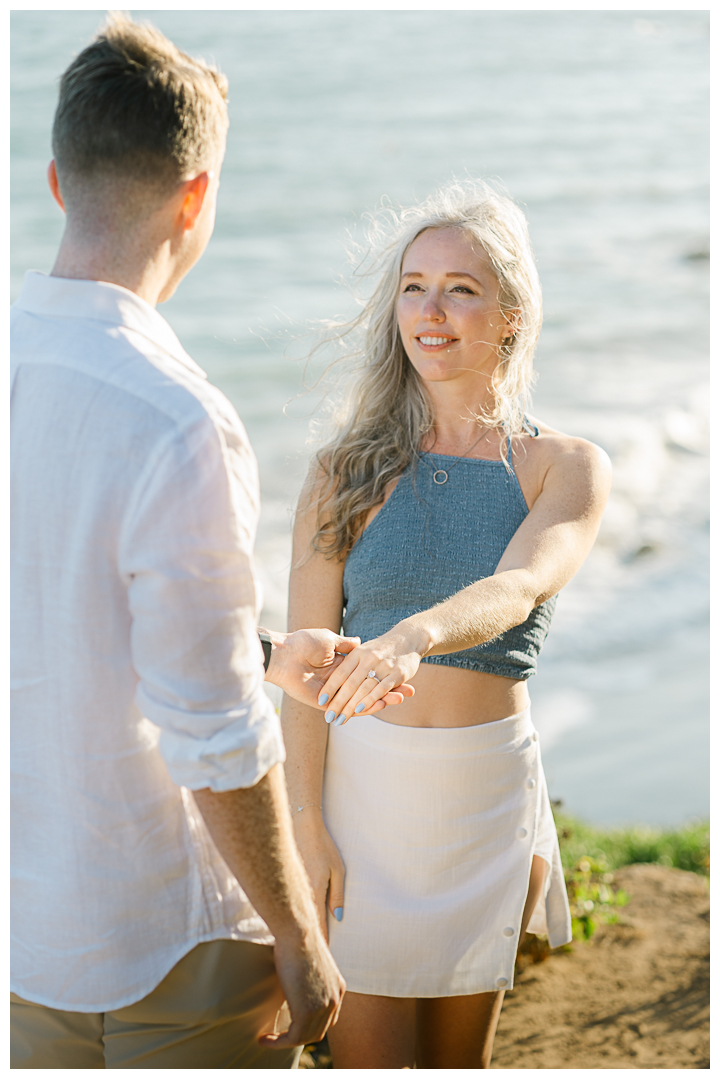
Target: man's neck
{"x": 143, "y": 269}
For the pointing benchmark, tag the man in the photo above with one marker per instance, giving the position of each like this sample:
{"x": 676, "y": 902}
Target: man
{"x": 137, "y": 672}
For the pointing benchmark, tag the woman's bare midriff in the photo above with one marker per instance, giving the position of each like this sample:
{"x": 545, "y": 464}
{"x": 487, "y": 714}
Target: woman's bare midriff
{"x": 456, "y": 697}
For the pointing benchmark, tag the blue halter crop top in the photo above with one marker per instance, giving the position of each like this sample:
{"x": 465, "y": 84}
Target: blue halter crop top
{"x": 431, "y": 540}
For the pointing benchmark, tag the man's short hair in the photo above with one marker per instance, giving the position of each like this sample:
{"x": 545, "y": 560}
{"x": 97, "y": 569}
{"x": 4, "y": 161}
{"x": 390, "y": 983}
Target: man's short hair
{"x": 133, "y": 106}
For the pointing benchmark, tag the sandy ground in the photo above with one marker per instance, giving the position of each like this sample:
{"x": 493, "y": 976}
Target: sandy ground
{"x": 635, "y": 997}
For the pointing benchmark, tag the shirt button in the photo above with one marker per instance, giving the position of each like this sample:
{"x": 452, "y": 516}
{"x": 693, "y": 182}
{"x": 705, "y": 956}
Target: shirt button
{"x": 521, "y": 833}
{"x": 508, "y": 931}
{"x": 500, "y": 983}
{"x": 534, "y": 736}
{"x": 530, "y": 784}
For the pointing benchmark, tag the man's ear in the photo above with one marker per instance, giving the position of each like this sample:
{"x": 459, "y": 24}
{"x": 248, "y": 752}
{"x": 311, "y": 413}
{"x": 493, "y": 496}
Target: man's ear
{"x": 193, "y": 196}
{"x": 54, "y": 185}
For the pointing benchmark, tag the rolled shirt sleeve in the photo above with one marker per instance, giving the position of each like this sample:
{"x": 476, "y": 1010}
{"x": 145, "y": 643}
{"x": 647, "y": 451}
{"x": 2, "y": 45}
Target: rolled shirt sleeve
{"x": 186, "y": 554}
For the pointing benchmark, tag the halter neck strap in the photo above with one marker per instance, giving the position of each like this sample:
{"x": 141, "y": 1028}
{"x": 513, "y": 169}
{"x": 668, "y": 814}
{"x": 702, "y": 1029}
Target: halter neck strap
{"x": 532, "y": 430}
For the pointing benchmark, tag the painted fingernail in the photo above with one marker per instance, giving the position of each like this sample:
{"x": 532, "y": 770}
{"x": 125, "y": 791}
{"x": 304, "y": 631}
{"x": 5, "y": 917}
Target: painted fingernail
{"x": 329, "y": 716}
{"x": 360, "y": 707}
{"x": 340, "y": 720}
{"x": 323, "y": 699}
{"x": 338, "y": 913}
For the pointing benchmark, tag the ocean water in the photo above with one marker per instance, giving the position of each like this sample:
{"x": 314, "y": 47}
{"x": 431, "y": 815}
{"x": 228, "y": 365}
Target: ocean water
{"x": 597, "y": 123}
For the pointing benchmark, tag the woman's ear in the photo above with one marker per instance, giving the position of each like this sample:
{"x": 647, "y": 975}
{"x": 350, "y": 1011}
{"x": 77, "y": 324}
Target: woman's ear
{"x": 513, "y": 323}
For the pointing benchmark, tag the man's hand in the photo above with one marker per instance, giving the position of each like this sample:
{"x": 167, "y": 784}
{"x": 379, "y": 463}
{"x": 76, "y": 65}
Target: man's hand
{"x": 301, "y": 663}
{"x": 313, "y": 989}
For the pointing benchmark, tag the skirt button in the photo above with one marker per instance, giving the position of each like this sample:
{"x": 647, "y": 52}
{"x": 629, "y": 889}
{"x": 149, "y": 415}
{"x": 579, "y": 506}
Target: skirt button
{"x": 500, "y": 983}
{"x": 530, "y": 784}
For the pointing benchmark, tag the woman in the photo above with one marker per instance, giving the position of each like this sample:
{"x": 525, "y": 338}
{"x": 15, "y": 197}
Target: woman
{"x": 437, "y": 525}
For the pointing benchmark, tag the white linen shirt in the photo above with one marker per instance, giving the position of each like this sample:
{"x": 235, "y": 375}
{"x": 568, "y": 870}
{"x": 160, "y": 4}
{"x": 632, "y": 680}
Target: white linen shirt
{"x": 136, "y": 668}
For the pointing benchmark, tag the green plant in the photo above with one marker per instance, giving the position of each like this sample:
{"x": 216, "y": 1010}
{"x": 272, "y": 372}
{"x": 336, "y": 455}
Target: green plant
{"x": 591, "y": 895}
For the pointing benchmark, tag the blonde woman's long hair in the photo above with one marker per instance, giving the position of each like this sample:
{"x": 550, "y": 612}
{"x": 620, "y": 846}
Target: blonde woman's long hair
{"x": 380, "y": 425}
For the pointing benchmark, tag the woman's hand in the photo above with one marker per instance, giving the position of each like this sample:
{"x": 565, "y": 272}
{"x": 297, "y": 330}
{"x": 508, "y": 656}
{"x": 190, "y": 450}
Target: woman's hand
{"x": 301, "y": 663}
{"x": 393, "y": 659}
{"x": 323, "y": 863}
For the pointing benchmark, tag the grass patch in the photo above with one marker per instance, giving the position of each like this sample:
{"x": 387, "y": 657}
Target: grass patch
{"x": 687, "y": 848}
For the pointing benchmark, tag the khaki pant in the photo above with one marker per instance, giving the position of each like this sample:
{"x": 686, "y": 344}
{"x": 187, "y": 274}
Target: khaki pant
{"x": 206, "y": 1014}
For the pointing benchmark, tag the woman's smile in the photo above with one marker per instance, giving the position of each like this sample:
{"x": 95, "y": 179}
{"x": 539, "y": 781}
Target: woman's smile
{"x": 433, "y": 343}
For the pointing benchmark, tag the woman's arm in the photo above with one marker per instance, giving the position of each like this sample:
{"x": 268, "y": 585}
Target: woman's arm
{"x": 315, "y": 599}
{"x": 547, "y": 550}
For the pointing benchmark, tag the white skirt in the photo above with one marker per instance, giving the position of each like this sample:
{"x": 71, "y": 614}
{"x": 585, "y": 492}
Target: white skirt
{"x": 437, "y": 828}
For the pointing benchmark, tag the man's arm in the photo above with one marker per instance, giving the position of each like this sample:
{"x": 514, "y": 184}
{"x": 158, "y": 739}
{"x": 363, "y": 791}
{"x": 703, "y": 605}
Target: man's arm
{"x": 186, "y": 554}
{"x": 252, "y": 830}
